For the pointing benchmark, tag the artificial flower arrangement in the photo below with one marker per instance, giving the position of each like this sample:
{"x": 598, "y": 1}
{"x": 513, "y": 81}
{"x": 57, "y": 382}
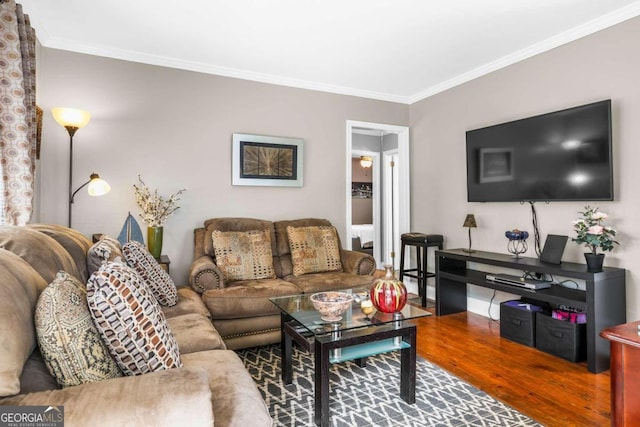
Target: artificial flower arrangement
{"x": 592, "y": 232}
{"x": 155, "y": 208}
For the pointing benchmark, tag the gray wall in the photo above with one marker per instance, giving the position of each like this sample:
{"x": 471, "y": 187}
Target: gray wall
{"x": 174, "y": 128}
{"x": 601, "y": 66}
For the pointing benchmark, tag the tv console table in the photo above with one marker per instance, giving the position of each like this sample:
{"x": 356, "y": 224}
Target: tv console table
{"x": 604, "y": 299}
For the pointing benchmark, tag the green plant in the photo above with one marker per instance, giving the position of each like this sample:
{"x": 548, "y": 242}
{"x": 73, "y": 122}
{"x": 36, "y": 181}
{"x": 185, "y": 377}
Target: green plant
{"x": 592, "y": 232}
{"x": 155, "y": 208}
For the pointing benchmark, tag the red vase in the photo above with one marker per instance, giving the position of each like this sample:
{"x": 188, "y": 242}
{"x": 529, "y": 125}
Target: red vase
{"x": 388, "y": 295}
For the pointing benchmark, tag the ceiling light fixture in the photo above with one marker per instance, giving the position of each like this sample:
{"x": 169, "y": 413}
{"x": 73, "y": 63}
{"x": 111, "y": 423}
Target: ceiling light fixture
{"x": 366, "y": 161}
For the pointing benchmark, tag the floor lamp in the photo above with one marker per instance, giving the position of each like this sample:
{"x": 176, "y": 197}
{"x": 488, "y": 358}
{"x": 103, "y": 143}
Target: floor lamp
{"x": 73, "y": 119}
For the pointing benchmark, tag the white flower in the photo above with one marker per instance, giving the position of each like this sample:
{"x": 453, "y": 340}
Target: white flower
{"x": 599, "y": 216}
{"x": 155, "y": 209}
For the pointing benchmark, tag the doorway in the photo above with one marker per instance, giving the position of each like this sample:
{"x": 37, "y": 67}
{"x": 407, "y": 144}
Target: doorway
{"x": 390, "y": 186}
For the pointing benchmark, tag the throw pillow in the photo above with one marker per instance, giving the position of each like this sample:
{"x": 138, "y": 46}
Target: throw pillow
{"x": 244, "y": 255}
{"x": 155, "y": 277}
{"x": 130, "y": 321}
{"x": 314, "y": 249}
{"x": 106, "y": 249}
{"x": 71, "y": 347}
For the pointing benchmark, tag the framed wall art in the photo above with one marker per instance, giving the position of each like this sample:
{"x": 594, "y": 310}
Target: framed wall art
{"x": 267, "y": 161}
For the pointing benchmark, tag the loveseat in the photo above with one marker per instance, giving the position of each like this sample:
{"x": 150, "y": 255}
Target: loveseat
{"x": 239, "y": 305}
{"x": 212, "y": 387}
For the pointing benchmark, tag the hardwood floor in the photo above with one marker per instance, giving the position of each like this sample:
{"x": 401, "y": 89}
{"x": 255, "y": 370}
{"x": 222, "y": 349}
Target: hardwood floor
{"x": 548, "y": 389}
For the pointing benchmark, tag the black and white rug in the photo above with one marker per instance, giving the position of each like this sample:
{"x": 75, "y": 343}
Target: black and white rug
{"x": 370, "y": 396}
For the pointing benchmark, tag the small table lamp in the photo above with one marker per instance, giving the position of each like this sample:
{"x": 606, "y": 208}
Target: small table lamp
{"x": 469, "y": 222}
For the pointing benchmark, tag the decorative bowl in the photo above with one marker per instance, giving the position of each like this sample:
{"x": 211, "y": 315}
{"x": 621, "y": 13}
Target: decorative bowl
{"x": 516, "y": 234}
{"x": 331, "y": 305}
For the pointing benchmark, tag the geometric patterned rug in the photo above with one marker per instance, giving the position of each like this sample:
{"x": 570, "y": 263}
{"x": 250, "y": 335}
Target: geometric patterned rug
{"x": 370, "y": 396}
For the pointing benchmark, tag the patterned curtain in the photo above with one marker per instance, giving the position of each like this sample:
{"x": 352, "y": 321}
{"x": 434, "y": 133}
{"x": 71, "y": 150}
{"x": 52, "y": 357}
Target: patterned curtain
{"x": 17, "y": 114}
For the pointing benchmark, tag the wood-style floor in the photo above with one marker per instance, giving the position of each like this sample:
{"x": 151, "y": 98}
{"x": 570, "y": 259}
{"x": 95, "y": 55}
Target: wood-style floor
{"x": 548, "y": 389}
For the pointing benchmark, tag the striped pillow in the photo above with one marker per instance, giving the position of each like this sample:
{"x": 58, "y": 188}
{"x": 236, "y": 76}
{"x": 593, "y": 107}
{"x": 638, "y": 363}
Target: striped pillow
{"x": 154, "y": 276}
{"x": 130, "y": 321}
{"x": 106, "y": 249}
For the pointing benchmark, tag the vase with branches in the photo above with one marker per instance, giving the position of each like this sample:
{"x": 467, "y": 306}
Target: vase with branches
{"x": 155, "y": 209}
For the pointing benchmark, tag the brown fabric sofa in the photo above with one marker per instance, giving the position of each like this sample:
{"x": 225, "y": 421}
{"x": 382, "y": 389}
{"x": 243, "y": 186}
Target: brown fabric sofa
{"x": 212, "y": 387}
{"x": 241, "y": 310}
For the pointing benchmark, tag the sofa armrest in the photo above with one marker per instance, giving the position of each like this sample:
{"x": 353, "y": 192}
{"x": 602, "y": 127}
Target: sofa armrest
{"x": 357, "y": 262}
{"x": 205, "y": 275}
{"x": 171, "y": 397}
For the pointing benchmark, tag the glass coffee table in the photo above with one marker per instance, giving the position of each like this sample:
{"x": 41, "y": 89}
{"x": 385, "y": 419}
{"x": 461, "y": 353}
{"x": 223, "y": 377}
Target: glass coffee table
{"x": 354, "y": 337}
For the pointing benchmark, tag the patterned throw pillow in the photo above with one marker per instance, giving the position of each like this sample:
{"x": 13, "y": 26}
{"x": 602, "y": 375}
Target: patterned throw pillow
{"x": 148, "y": 269}
{"x": 106, "y": 249}
{"x": 130, "y": 321}
{"x": 314, "y": 249}
{"x": 244, "y": 255}
{"x": 69, "y": 342}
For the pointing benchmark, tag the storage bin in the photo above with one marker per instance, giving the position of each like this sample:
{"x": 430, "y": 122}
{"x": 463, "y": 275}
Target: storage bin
{"x": 517, "y": 322}
{"x": 561, "y": 338}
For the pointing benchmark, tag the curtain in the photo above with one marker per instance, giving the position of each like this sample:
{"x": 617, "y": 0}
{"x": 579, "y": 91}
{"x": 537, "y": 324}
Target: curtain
{"x": 17, "y": 114}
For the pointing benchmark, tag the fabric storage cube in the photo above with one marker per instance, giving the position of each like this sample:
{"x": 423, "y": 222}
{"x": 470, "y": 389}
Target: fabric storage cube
{"x": 517, "y": 322}
{"x": 561, "y": 338}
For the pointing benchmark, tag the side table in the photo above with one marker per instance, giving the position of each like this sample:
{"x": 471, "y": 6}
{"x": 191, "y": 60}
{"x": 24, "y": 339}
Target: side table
{"x": 164, "y": 262}
{"x": 625, "y": 373}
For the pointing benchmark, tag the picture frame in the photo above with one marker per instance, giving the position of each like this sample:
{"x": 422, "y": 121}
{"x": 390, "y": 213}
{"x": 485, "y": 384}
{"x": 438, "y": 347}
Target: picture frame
{"x": 39, "y": 114}
{"x": 362, "y": 190}
{"x": 259, "y": 160}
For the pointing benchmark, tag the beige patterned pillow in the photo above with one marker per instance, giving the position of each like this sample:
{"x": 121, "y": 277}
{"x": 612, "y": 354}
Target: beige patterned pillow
{"x": 130, "y": 321}
{"x": 69, "y": 342}
{"x": 244, "y": 255}
{"x": 314, "y": 249}
{"x": 148, "y": 269}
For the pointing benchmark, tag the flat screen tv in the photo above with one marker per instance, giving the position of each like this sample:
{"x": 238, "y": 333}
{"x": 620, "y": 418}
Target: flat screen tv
{"x": 561, "y": 156}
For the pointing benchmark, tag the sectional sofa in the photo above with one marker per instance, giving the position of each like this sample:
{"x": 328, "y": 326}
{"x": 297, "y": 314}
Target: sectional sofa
{"x": 210, "y": 386}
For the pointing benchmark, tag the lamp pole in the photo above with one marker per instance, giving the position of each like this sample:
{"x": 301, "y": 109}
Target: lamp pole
{"x": 71, "y": 119}
{"x": 72, "y": 130}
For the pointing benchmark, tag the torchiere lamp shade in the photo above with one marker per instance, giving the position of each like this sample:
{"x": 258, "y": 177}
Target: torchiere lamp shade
{"x": 71, "y": 117}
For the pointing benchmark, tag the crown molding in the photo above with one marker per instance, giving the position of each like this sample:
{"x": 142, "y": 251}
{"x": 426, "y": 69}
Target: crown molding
{"x": 591, "y": 27}
{"x": 163, "y": 61}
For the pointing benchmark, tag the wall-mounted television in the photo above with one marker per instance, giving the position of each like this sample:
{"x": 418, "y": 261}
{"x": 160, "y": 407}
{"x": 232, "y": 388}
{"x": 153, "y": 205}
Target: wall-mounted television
{"x": 561, "y": 156}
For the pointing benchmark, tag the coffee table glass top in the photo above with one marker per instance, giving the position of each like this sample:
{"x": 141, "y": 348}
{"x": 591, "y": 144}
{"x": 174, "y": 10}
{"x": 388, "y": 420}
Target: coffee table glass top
{"x": 301, "y": 309}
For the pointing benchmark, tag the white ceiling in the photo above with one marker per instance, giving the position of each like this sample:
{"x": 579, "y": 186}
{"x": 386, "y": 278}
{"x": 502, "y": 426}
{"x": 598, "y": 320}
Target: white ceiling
{"x": 395, "y": 50}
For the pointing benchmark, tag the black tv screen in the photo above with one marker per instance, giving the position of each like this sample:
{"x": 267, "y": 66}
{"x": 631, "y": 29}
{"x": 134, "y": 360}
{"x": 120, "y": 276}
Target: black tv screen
{"x": 565, "y": 155}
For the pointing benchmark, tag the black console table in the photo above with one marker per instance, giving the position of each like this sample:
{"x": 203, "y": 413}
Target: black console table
{"x": 604, "y": 299}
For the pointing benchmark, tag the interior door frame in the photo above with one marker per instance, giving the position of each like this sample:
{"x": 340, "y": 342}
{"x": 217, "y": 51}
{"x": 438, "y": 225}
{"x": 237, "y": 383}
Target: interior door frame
{"x": 389, "y": 208}
{"x": 376, "y": 202}
{"x": 404, "y": 184}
